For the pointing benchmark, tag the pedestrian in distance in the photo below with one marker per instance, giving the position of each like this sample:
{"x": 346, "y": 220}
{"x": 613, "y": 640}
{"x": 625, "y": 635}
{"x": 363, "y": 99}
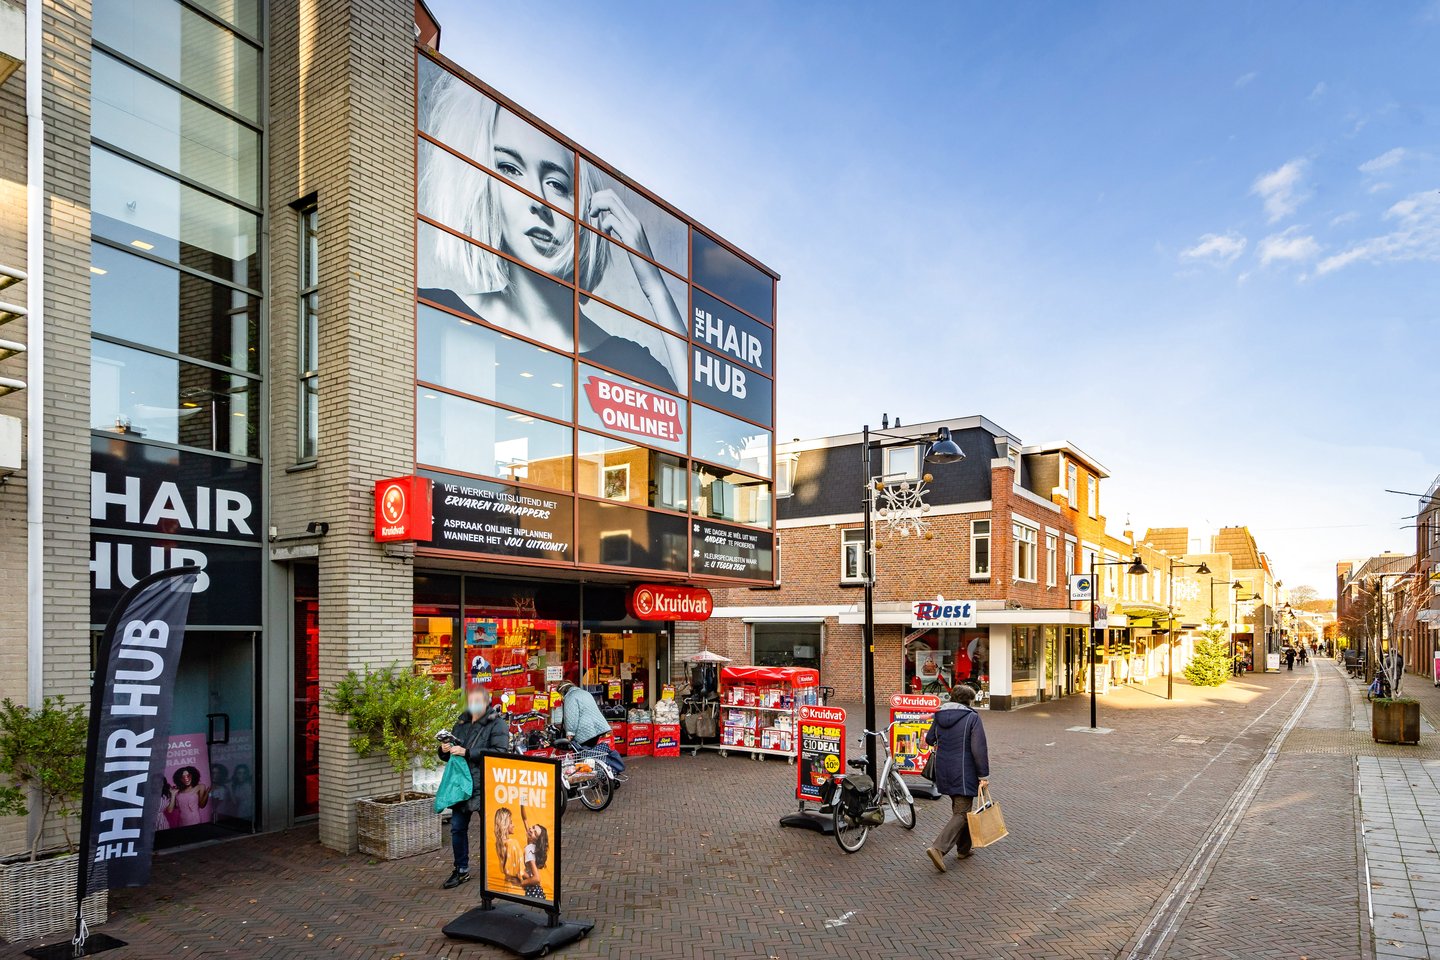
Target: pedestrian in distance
{"x": 962, "y": 769}
{"x": 479, "y": 730}
{"x": 1289, "y": 658}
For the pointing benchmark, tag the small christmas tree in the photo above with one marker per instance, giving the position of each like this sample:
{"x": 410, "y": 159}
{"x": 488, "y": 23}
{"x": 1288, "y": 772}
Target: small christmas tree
{"x": 1210, "y": 665}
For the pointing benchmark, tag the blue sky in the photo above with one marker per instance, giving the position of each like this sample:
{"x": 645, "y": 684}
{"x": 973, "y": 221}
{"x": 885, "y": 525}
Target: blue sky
{"x": 1202, "y": 242}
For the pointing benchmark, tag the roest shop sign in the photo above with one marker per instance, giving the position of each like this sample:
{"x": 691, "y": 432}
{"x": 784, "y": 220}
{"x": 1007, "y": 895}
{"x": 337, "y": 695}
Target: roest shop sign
{"x": 403, "y": 509}
{"x": 656, "y": 601}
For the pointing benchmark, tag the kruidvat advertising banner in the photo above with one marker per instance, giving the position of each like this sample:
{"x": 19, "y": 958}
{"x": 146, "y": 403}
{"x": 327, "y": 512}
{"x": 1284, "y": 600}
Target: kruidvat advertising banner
{"x": 821, "y": 749}
{"x": 522, "y": 829}
{"x": 136, "y": 779}
{"x": 910, "y": 717}
{"x": 500, "y": 518}
{"x": 562, "y": 309}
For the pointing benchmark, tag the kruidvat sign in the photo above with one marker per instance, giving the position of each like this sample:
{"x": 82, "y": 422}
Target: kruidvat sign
{"x": 941, "y": 613}
{"x": 654, "y": 601}
{"x": 403, "y": 509}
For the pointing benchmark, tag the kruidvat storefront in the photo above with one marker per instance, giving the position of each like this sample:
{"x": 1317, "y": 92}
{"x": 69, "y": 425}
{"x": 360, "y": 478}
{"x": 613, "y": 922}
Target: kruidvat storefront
{"x": 592, "y": 402}
{"x": 594, "y": 407}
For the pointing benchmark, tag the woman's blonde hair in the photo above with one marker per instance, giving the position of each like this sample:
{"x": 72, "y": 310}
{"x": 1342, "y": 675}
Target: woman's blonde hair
{"x": 463, "y": 197}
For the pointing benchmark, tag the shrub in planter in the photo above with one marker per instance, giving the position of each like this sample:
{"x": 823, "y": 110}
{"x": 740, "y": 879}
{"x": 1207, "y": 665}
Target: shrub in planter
{"x": 42, "y": 756}
{"x": 396, "y": 713}
{"x": 1395, "y": 720}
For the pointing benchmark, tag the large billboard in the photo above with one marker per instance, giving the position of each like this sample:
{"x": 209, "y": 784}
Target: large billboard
{"x": 594, "y": 370}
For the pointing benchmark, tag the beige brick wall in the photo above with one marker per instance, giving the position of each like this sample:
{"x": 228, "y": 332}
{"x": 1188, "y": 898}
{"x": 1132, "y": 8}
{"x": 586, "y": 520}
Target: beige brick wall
{"x": 342, "y": 128}
{"x": 67, "y": 368}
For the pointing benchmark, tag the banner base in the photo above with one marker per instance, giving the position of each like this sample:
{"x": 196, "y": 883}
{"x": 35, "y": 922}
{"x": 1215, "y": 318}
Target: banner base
{"x": 922, "y": 789}
{"x": 810, "y": 820}
{"x": 95, "y": 943}
{"x": 521, "y": 931}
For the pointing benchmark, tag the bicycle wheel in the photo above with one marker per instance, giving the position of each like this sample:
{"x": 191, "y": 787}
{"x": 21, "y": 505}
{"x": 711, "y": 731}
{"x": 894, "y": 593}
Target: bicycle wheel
{"x": 597, "y": 792}
{"x": 850, "y": 832}
{"x": 900, "y": 805}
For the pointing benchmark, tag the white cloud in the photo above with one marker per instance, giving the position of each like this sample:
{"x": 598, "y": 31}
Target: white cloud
{"x": 1416, "y": 236}
{"x": 1290, "y": 245}
{"x": 1380, "y": 187}
{"x": 1319, "y": 91}
{"x": 1282, "y": 190}
{"x": 1244, "y": 79}
{"x": 1346, "y": 217}
{"x": 1386, "y": 160}
{"x": 1221, "y": 249}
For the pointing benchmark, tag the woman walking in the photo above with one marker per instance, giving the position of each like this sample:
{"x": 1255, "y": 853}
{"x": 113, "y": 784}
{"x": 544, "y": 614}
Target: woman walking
{"x": 962, "y": 769}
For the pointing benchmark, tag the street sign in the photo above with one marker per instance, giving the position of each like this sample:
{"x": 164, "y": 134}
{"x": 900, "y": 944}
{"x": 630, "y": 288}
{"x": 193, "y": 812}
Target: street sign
{"x": 1081, "y": 587}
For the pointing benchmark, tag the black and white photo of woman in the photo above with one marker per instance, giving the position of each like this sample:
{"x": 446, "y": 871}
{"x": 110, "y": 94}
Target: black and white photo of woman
{"x": 529, "y": 226}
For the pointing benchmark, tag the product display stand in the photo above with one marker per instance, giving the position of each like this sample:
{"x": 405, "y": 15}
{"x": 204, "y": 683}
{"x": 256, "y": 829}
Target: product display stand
{"x": 521, "y": 931}
{"x": 809, "y": 818}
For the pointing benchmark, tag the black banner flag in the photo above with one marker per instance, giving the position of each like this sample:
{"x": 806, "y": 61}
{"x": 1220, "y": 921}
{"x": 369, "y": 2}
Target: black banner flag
{"x": 130, "y": 700}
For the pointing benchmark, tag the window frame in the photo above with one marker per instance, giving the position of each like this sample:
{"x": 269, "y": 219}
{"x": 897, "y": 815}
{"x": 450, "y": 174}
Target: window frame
{"x": 891, "y": 475}
{"x": 852, "y": 537}
{"x": 1092, "y": 496}
{"x": 976, "y": 537}
{"x": 784, "y": 477}
{"x": 1024, "y": 535}
{"x": 307, "y": 343}
{"x": 1072, "y": 485}
{"x": 1052, "y": 547}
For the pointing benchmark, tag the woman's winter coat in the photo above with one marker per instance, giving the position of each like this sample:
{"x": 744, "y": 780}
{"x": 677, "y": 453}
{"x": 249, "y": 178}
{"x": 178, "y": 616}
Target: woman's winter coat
{"x": 962, "y": 757}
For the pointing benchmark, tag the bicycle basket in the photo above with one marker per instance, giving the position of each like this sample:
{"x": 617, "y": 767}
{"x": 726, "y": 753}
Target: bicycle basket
{"x": 854, "y": 790}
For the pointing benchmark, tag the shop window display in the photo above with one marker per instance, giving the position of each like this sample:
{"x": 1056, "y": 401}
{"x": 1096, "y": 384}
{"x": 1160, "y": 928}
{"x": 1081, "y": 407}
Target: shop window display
{"x": 1025, "y": 664}
{"x": 938, "y": 660}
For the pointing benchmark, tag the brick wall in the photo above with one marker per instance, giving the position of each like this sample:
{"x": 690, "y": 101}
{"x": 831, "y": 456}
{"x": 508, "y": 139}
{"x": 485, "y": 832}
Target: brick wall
{"x": 342, "y": 128}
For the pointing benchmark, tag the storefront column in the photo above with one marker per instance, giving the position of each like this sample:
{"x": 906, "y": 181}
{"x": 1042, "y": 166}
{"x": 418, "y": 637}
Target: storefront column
{"x": 1000, "y": 653}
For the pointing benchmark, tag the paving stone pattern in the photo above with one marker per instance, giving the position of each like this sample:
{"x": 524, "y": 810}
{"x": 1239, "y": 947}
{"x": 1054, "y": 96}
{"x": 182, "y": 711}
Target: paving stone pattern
{"x": 689, "y": 862}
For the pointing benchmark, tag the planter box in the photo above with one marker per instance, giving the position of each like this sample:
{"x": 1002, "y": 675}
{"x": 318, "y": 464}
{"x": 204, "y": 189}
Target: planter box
{"x": 1395, "y": 721}
{"x": 38, "y": 898}
{"x": 392, "y": 828}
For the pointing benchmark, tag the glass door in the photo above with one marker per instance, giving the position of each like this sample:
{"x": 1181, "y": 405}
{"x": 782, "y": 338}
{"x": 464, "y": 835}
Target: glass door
{"x": 209, "y": 789}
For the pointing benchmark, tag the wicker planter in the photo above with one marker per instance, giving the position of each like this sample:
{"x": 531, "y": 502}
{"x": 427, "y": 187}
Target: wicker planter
{"x": 39, "y": 898}
{"x": 1395, "y": 721}
{"x": 392, "y": 827}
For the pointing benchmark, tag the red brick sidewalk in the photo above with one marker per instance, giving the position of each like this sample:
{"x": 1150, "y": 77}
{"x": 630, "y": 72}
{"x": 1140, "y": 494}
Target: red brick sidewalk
{"x": 689, "y": 862}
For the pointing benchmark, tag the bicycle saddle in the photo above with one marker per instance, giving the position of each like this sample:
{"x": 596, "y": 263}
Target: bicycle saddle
{"x": 860, "y": 764}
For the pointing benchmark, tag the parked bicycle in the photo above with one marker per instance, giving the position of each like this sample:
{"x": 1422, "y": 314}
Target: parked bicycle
{"x": 585, "y": 773}
{"x": 857, "y": 803}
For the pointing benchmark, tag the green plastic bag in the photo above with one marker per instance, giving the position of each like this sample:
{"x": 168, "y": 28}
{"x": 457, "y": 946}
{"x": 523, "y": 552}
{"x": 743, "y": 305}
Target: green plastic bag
{"x": 456, "y": 784}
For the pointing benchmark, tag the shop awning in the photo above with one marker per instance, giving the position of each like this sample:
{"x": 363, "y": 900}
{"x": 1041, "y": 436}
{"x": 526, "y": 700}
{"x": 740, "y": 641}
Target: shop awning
{"x": 794, "y": 676}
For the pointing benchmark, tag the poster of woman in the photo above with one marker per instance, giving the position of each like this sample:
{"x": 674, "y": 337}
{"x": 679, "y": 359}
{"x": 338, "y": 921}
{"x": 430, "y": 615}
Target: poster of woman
{"x": 185, "y": 795}
{"x": 522, "y": 842}
{"x": 524, "y": 225}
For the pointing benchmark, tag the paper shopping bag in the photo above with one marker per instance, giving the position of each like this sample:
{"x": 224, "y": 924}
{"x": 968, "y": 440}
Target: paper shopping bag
{"x": 987, "y": 823}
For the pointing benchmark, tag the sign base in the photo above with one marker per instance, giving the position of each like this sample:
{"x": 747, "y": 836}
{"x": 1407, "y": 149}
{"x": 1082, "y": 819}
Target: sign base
{"x": 523, "y": 932}
{"x": 810, "y": 820}
{"x": 922, "y": 789}
{"x": 95, "y": 943}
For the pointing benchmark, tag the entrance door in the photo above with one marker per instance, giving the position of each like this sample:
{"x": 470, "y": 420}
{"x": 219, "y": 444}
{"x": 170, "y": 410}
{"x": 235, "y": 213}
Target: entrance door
{"x": 210, "y": 758}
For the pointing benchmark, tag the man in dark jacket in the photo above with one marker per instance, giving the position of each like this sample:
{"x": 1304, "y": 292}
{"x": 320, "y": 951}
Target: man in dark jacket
{"x": 481, "y": 729}
{"x": 962, "y": 769}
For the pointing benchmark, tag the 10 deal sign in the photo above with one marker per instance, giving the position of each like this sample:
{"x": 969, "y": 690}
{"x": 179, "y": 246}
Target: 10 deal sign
{"x": 822, "y": 749}
{"x": 522, "y": 835}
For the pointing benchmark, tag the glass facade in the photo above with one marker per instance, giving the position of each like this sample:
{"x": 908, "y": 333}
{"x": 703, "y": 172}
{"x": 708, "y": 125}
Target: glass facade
{"x": 176, "y": 379}
{"x": 578, "y": 338}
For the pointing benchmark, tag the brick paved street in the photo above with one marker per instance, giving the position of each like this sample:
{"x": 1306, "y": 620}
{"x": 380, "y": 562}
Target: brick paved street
{"x": 688, "y": 862}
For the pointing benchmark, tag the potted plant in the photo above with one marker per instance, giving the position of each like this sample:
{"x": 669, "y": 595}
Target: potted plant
{"x": 42, "y": 758}
{"x": 1395, "y": 720}
{"x": 395, "y": 712}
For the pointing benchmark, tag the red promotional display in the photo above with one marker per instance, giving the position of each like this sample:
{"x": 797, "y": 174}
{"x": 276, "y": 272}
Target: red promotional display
{"x": 821, "y": 749}
{"x": 667, "y": 739}
{"x": 632, "y": 410}
{"x": 403, "y": 509}
{"x": 757, "y": 707}
{"x": 620, "y": 737}
{"x": 911, "y": 714}
{"x": 641, "y": 740}
{"x": 654, "y": 601}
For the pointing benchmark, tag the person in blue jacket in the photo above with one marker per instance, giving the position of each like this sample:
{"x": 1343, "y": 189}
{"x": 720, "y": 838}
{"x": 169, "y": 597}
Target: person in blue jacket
{"x": 962, "y": 769}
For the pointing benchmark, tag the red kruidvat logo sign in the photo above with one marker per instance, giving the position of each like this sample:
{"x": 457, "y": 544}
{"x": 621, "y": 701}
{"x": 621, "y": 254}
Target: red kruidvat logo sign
{"x": 403, "y": 509}
{"x": 654, "y": 601}
{"x": 915, "y": 701}
{"x": 631, "y": 410}
{"x": 812, "y": 714}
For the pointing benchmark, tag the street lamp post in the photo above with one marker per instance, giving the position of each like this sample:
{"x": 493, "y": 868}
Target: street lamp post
{"x": 1234, "y": 671}
{"x": 1135, "y": 568}
{"x": 941, "y": 449}
{"x": 1203, "y": 569}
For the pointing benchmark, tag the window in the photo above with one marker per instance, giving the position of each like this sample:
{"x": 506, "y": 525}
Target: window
{"x": 784, "y": 477}
{"x": 902, "y": 463}
{"x": 726, "y": 441}
{"x": 1094, "y": 487}
{"x": 1069, "y": 560}
{"x": 787, "y": 644}
{"x": 309, "y": 342}
{"x": 1072, "y": 485}
{"x": 980, "y": 549}
{"x": 852, "y": 554}
{"x": 1026, "y": 540}
{"x": 620, "y": 470}
{"x": 453, "y": 433}
{"x": 464, "y": 356}
{"x": 1051, "y": 549}
{"x": 722, "y": 495}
